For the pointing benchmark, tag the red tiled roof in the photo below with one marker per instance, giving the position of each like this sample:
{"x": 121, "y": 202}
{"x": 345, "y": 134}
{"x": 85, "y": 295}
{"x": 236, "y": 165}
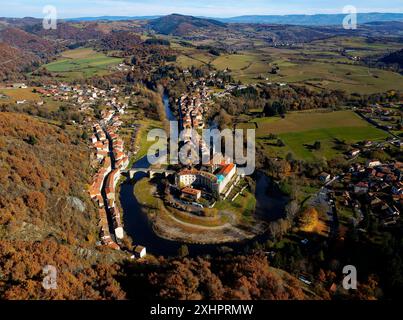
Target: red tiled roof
{"x": 191, "y": 191}
{"x": 225, "y": 170}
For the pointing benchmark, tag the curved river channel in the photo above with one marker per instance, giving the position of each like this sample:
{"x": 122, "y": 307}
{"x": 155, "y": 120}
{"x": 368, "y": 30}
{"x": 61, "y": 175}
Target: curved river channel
{"x": 270, "y": 206}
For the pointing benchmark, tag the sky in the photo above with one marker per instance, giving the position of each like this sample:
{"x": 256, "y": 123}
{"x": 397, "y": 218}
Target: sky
{"x": 210, "y": 8}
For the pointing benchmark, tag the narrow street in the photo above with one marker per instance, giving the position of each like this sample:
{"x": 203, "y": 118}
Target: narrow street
{"x": 323, "y": 199}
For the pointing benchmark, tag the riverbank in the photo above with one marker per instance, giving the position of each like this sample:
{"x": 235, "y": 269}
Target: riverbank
{"x": 184, "y": 227}
{"x": 176, "y": 230}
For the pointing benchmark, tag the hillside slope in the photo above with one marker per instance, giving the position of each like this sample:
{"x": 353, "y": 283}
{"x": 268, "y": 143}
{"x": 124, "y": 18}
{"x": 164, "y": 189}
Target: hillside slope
{"x": 43, "y": 178}
{"x": 46, "y": 216}
{"x": 14, "y": 61}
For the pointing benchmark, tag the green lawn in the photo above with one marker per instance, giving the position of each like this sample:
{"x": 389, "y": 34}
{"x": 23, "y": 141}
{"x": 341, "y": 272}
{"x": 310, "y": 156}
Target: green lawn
{"x": 246, "y": 67}
{"x": 244, "y": 205}
{"x": 143, "y": 191}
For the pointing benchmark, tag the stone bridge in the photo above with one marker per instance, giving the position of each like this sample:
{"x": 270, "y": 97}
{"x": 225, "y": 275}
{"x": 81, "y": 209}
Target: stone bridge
{"x": 150, "y": 171}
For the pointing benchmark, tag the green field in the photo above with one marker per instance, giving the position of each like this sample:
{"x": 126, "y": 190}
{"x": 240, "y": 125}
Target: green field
{"x": 300, "y": 130}
{"x": 146, "y": 126}
{"x": 186, "y": 61}
{"x": 82, "y": 63}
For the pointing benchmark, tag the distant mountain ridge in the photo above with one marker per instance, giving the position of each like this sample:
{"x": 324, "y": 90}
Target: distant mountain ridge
{"x": 296, "y": 19}
{"x": 316, "y": 19}
{"x": 113, "y": 18}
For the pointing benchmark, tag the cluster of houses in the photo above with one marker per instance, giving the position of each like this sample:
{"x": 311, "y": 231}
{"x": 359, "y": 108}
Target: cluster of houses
{"x": 378, "y": 185}
{"x": 84, "y": 96}
{"x": 197, "y": 177}
{"x": 384, "y": 116}
{"x": 109, "y": 150}
{"x": 367, "y": 145}
{"x": 20, "y": 85}
{"x": 109, "y": 155}
{"x": 193, "y": 107}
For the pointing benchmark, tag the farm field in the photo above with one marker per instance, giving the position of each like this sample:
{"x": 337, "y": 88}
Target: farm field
{"x": 187, "y": 61}
{"x": 347, "y": 77}
{"x": 300, "y": 130}
{"x": 357, "y": 45}
{"x": 320, "y": 65}
{"x": 82, "y": 63}
{"x": 12, "y": 95}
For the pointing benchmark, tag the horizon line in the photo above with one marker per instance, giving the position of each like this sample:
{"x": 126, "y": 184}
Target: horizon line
{"x": 202, "y": 16}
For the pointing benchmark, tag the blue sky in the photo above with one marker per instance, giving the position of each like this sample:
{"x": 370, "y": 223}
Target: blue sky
{"x": 211, "y": 8}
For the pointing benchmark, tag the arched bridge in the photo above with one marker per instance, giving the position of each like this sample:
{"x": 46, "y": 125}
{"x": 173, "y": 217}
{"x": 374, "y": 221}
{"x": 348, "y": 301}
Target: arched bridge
{"x": 150, "y": 171}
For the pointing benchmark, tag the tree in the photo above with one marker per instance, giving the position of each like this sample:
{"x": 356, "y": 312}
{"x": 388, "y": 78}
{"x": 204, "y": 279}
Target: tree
{"x": 32, "y": 140}
{"x": 84, "y": 135}
{"x": 289, "y": 157}
{"x": 36, "y": 200}
{"x": 317, "y": 145}
{"x": 183, "y": 251}
{"x": 269, "y": 111}
{"x": 281, "y": 109}
{"x": 291, "y": 210}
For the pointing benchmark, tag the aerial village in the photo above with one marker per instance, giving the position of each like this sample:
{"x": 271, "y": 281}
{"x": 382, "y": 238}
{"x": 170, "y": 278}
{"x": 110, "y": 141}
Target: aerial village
{"x": 108, "y": 157}
{"x": 211, "y": 179}
{"x": 200, "y": 185}
{"x": 109, "y": 151}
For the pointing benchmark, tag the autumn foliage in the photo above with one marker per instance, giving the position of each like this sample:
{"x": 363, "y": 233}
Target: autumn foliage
{"x": 40, "y": 171}
{"x": 246, "y": 277}
{"x": 22, "y": 263}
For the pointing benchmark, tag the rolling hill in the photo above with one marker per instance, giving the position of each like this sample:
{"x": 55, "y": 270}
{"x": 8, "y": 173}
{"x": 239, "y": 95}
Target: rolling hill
{"x": 69, "y": 31}
{"x": 180, "y": 25}
{"x": 20, "y": 51}
{"x": 28, "y": 42}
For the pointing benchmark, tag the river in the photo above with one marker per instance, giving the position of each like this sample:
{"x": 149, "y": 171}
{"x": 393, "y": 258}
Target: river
{"x": 270, "y": 206}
